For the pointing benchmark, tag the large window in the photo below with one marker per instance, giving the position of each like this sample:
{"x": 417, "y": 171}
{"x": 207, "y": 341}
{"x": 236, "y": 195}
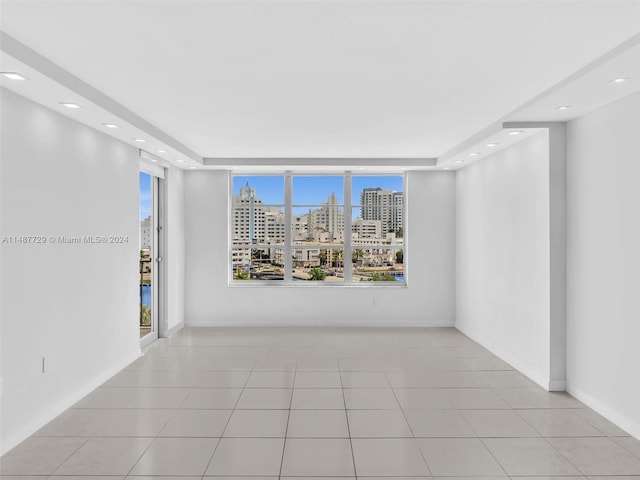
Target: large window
{"x": 318, "y": 229}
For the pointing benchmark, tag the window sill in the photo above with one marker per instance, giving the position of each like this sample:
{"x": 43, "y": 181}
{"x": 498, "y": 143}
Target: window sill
{"x": 314, "y": 284}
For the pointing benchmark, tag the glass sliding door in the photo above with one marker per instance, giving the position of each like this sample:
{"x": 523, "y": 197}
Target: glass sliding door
{"x": 148, "y": 275}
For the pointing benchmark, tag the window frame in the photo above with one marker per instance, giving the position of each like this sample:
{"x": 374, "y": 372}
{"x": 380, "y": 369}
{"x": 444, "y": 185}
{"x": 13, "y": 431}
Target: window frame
{"x": 347, "y": 246}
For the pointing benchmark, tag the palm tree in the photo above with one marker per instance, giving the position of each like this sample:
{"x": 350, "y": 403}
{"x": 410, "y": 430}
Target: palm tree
{"x": 357, "y": 255}
{"x": 339, "y": 258}
{"x": 317, "y": 274}
{"x": 145, "y": 315}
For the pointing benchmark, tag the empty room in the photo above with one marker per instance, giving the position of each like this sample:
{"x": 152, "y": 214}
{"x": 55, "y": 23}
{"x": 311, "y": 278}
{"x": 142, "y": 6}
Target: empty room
{"x": 319, "y": 238}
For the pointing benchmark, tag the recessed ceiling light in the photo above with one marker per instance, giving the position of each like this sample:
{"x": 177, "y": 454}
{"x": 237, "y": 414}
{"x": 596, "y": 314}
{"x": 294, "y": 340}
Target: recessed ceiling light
{"x": 563, "y": 107}
{"x": 179, "y": 160}
{"x": 364, "y": 168}
{"x": 13, "y": 75}
{"x": 110, "y": 125}
{"x": 162, "y": 151}
{"x": 491, "y": 145}
{"x": 140, "y": 140}
{"x": 515, "y": 132}
{"x": 192, "y": 168}
{"x": 70, "y": 105}
{"x": 447, "y": 168}
{"x": 619, "y": 80}
{"x": 474, "y": 154}
{"x": 458, "y": 161}
{"x": 154, "y": 160}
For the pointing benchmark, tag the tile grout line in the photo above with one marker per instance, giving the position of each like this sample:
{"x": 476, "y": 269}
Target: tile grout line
{"x": 564, "y": 456}
{"x": 346, "y": 414}
{"x": 227, "y": 424}
{"x": 286, "y": 430}
{"x": 68, "y": 457}
{"x": 415, "y": 440}
{"x": 175, "y": 410}
{"x": 145, "y": 450}
{"x": 343, "y": 389}
{"x": 492, "y": 455}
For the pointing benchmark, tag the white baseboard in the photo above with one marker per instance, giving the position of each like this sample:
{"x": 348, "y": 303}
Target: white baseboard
{"x": 41, "y": 419}
{"x": 533, "y": 374}
{"x": 317, "y": 323}
{"x": 173, "y": 330}
{"x": 619, "y": 419}
{"x": 557, "y": 386}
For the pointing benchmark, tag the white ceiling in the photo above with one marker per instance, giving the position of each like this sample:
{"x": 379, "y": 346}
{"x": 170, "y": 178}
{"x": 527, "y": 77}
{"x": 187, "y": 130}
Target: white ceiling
{"x": 327, "y": 78}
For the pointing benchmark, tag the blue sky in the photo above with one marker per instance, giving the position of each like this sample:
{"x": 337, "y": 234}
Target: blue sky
{"x": 145, "y": 195}
{"x": 268, "y": 189}
{"x": 312, "y": 190}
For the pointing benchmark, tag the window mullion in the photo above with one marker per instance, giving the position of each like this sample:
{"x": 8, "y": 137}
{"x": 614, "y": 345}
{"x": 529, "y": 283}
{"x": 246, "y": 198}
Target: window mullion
{"x": 288, "y": 215}
{"x": 346, "y": 257}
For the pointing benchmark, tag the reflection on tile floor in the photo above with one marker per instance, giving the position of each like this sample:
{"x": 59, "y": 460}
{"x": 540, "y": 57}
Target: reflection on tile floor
{"x": 342, "y": 403}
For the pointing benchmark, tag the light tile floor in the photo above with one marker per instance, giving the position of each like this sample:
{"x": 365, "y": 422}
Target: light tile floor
{"x": 342, "y": 403}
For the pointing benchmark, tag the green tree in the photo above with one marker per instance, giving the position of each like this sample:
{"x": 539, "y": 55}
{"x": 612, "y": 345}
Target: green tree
{"x": 357, "y": 255}
{"x": 317, "y": 274}
{"x": 241, "y": 275}
{"x": 336, "y": 257}
{"x": 145, "y": 315}
{"x": 322, "y": 256}
{"x": 400, "y": 256}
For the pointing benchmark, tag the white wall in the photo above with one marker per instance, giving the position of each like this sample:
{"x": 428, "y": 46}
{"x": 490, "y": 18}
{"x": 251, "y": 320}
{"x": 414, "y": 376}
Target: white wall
{"x": 428, "y": 300}
{"x": 503, "y": 267}
{"x": 174, "y": 253}
{"x": 75, "y": 305}
{"x": 603, "y": 255}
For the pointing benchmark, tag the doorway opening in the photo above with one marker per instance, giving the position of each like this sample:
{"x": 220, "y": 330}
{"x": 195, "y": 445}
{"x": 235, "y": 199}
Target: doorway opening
{"x": 149, "y": 255}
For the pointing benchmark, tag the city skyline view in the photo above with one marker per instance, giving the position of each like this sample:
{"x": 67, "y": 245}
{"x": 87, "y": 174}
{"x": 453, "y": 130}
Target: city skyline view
{"x": 319, "y": 247}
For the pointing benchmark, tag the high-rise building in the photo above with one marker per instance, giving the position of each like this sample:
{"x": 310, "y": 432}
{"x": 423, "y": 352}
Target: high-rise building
{"x": 145, "y": 234}
{"x": 384, "y": 205}
{"x": 397, "y": 219}
{"x": 300, "y": 227}
{"x": 274, "y": 225}
{"x": 329, "y": 217}
{"x": 253, "y": 224}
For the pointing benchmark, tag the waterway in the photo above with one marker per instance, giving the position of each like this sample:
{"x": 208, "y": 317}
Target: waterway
{"x": 146, "y": 294}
